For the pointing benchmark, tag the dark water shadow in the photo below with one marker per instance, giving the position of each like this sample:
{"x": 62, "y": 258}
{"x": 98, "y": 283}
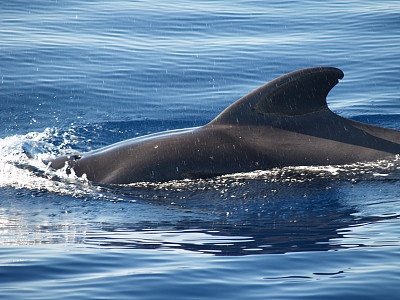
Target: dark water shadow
{"x": 237, "y": 217}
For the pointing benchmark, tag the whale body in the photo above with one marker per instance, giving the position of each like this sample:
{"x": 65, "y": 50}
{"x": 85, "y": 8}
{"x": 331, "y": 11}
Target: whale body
{"x": 285, "y": 122}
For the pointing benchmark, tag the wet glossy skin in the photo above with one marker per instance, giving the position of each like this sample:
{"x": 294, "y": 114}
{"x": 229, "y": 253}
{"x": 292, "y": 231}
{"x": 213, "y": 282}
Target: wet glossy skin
{"x": 285, "y": 122}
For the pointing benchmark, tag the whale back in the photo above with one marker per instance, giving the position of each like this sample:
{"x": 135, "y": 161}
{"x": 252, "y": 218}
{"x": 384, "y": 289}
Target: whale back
{"x": 286, "y": 122}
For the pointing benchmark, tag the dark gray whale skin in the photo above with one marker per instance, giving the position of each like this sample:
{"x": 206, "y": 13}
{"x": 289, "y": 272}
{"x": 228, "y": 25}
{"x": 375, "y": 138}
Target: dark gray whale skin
{"x": 286, "y": 122}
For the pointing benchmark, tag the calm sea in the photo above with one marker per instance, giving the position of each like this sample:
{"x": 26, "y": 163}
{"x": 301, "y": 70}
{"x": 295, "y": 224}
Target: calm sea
{"x": 79, "y": 75}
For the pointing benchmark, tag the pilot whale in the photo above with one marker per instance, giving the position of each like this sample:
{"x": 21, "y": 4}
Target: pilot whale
{"x": 285, "y": 122}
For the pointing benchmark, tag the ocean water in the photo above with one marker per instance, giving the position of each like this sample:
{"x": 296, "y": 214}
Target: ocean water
{"x": 79, "y": 75}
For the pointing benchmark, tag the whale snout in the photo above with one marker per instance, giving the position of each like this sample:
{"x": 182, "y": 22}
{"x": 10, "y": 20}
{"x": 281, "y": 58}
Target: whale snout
{"x": 61, "y": 161}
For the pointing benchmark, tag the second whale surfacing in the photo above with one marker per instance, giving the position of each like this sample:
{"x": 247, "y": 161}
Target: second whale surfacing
{"x": 285, "y": 122}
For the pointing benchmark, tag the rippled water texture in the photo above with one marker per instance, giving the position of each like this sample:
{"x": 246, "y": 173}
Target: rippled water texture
{"x": 80, "y": 75}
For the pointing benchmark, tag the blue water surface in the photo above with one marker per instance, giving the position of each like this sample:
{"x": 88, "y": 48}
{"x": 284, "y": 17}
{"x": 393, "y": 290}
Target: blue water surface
{"x": 79, "y": 75}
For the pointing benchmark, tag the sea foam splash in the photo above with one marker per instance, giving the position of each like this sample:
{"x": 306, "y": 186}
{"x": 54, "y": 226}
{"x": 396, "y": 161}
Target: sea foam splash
{"x": 25, "y": 164}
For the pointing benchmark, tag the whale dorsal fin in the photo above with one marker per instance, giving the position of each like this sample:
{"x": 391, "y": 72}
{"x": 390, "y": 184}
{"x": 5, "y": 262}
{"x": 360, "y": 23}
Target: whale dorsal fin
{"x": 297, "y": 93}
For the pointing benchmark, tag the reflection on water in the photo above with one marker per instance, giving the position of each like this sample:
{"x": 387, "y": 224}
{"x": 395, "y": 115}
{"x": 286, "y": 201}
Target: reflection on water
{"x": 246, "y": 217}
{"x": 243, "y": 217}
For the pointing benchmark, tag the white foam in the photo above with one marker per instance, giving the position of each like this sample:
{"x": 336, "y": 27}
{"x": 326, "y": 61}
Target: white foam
{"x": 24, "y": 164}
